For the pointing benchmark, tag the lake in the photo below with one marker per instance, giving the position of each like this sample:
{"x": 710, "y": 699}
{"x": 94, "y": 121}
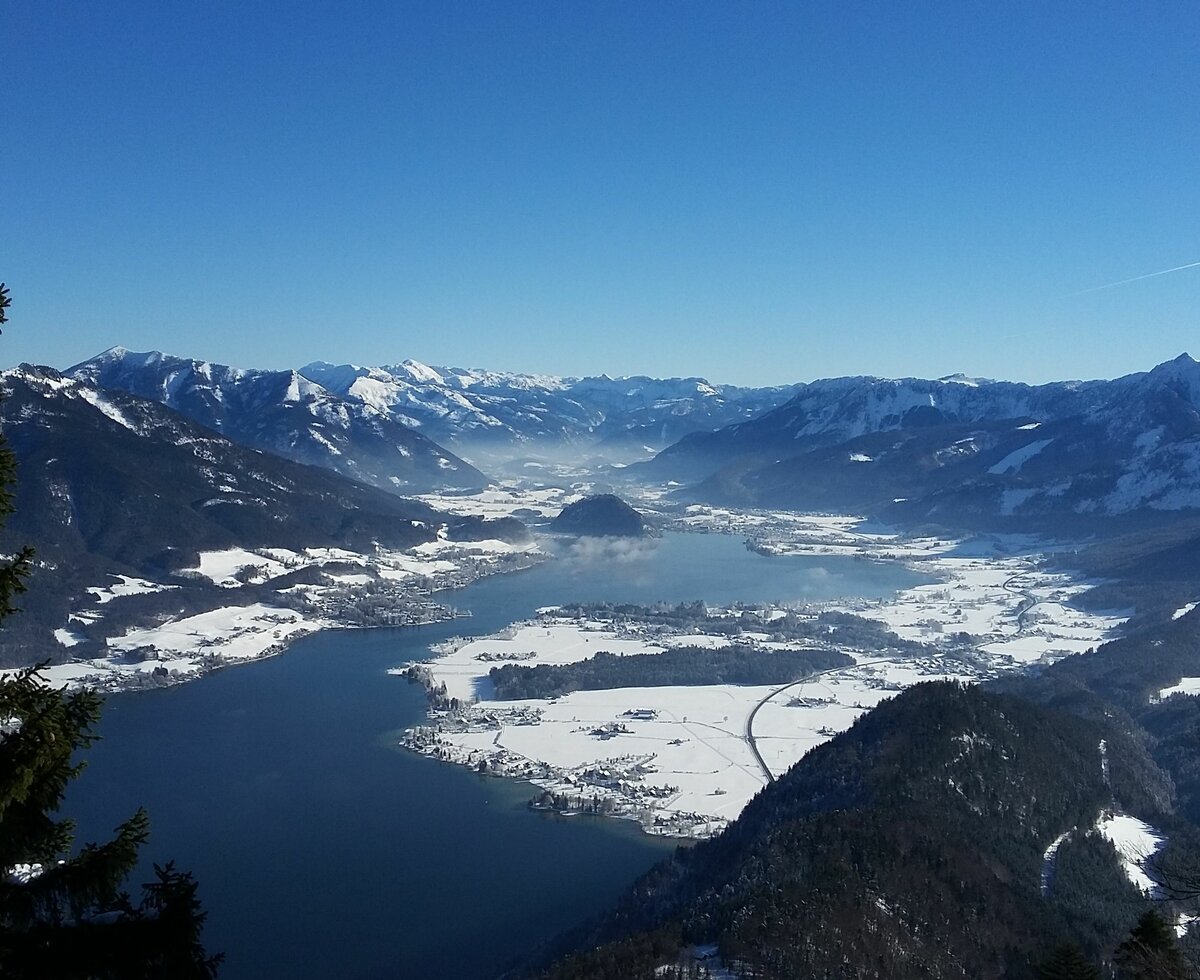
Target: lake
{"x": 324, "y": 851}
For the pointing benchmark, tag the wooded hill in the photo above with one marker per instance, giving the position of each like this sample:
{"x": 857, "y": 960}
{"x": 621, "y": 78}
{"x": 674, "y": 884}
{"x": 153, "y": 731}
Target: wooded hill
{"x": 912, "y": 845}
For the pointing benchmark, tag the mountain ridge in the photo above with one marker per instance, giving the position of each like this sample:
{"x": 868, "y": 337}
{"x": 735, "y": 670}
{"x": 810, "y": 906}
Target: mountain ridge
{"x": 991, "y": 452}
{"x": 284, "y": 413}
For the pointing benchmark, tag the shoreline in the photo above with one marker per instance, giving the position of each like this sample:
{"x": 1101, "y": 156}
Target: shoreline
{"x": 181, "y": 650}
{"x": 990, "y": 609}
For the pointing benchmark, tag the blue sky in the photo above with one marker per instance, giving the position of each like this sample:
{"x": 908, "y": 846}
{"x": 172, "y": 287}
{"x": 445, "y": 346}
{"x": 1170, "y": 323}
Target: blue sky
{"x": 753, "y": 192}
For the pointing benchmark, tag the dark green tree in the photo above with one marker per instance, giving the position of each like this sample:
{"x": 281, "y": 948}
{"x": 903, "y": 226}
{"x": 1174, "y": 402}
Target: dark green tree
{"x": 1067, "y": 962}
{"x": 14, "y": 570}
{"x": 65, "y": 915}
{"x": 1150, "y": 952}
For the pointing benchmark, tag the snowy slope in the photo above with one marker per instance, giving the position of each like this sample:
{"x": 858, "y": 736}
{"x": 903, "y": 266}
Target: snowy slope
{"x": 465, "y": 407}
{"x": 285, "y": 413}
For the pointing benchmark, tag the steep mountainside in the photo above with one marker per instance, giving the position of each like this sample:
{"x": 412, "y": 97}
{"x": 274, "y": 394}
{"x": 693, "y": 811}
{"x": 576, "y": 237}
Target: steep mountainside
{"x": 472, "y": 408}
{"x": 105, "y": 472}
{"x": 911, "y": 846}
{"x": 108, "y": 483}
{"x": 284, "y": 413}
{"x": 962, "y": 452}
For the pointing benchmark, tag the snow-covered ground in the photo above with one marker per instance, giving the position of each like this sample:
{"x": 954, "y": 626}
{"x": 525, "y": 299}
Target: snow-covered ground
{"x": 1137, "y": 843}
{"x": 233, "y": 567}
{"x": 188, "y": 646}
{"x": 1184, "y": 610}
{"x": 401, "y": 582}
{"x": 507, "y": 499}
{"x": 125, "y": 585}
{"x": 684, "y": 761}
{"x": 1186, "y": 685}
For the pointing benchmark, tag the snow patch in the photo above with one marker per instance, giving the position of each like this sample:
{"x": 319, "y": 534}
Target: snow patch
{"x": 1136, "y": 842}
{"x": 1048, "y": 858}
{"x": 96, "y": 400}
{"x": 67, "y": 638}
{"x": 1013, "y": 462}
{"x": 126, "y": 585}
{"x": 1184, "y": 610}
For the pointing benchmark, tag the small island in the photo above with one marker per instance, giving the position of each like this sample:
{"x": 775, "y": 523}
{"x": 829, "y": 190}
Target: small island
{"x": 603, "y": 515}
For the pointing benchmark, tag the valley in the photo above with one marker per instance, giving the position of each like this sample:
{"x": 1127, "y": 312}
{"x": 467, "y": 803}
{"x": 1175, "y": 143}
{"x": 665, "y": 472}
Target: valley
{"x": 666, "y": 681}
{"x": 684, "y": 760}
{"x": 599, "y": 491}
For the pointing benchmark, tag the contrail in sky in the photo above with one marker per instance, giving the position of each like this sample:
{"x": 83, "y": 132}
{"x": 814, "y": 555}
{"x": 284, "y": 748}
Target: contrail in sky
{"x": 1123, "y": 282}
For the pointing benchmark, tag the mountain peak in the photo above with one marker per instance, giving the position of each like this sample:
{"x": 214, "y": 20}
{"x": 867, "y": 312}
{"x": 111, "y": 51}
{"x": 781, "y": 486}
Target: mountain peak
{"x": 421, "y": 372}
{"x": 1182, "y": 366}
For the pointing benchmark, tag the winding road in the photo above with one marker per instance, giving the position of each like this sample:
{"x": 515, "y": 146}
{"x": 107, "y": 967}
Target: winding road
{"x": 749, "y": 736}
{"x": 1028, "y": 601}
{"x": 1024, "y": 607}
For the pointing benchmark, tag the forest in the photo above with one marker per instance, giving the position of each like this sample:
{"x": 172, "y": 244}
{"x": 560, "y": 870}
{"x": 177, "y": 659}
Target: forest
{"x": 911, "y": 845}
{"x": 681, "y": 666}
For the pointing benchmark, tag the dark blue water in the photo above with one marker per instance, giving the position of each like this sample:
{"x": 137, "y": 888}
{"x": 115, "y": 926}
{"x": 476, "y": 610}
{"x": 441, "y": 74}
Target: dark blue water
{"x": 323, "y": 851}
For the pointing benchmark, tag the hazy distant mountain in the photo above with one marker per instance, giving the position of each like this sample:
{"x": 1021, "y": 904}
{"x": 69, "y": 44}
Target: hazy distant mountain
{"x": 961, "y": 451}
{"x": 284, "y": 413}
{"x": 473, "y": 408}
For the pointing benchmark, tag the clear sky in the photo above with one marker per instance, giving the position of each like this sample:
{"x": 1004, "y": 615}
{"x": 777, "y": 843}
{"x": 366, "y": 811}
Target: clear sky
{"x": 750, "y": 191}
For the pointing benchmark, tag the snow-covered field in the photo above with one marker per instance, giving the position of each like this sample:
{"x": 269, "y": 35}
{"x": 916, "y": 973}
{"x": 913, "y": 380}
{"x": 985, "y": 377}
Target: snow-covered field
{"x": 684, "y": 762}
{"x": 188, "y": 646}
{"x": 184, "y": 648}
{"x": 233, "y": 567}
{"x": 1186, "y": 685}
{"x": 991, "y": 588}
{"x": 505, "y": 500}
{"x": 1137, "y": 843}
{"x": 125, "y": 585}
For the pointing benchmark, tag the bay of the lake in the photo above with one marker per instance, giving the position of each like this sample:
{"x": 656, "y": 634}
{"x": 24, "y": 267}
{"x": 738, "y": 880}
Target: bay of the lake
{"x": 323, "y": 851}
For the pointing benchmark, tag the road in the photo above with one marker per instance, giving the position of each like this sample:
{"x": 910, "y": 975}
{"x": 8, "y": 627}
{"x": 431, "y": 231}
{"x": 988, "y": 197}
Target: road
{"x": 1026, "y": 605}
{"x": 749, "y": 736}
{"x": 1028, "y": 601}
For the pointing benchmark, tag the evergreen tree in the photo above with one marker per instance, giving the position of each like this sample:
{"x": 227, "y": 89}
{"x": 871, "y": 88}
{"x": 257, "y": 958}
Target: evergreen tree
{"x": 62, "y": 915}
{"x": 1150, "y": 952}
{"x": 1067, "y": 962}
{"x": 14, "y": 570}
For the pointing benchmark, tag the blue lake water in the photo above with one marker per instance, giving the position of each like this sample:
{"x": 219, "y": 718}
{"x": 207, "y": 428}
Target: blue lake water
{"x": 323, "y": 851}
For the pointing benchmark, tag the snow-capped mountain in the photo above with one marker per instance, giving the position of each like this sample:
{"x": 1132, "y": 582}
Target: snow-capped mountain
{"x": 961, "y": 450}
{"x": 103, "y": 472}
{"x": 474, "y": 408}
{"x": 285, "y": 413}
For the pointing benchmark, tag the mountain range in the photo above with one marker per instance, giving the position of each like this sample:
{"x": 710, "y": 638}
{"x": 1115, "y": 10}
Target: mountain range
{"x": 955, "y": 451}
{"x": 284, "y": 413}
{"x": 960, "y": 451}
{"x": 487, "y": 409}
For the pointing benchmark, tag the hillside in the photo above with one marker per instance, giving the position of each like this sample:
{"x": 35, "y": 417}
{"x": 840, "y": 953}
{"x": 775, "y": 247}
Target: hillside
{"x": 112, "y": 484}
{"x": 601, "y": 515}
{"x": 961, "y": 452}
{"x": 911, "y": 846}
{"x": 284, "y": 413}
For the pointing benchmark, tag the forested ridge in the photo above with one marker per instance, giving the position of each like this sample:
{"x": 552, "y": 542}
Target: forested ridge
{"x": 681, "y": 666}
{"x": 910, "y": 846}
